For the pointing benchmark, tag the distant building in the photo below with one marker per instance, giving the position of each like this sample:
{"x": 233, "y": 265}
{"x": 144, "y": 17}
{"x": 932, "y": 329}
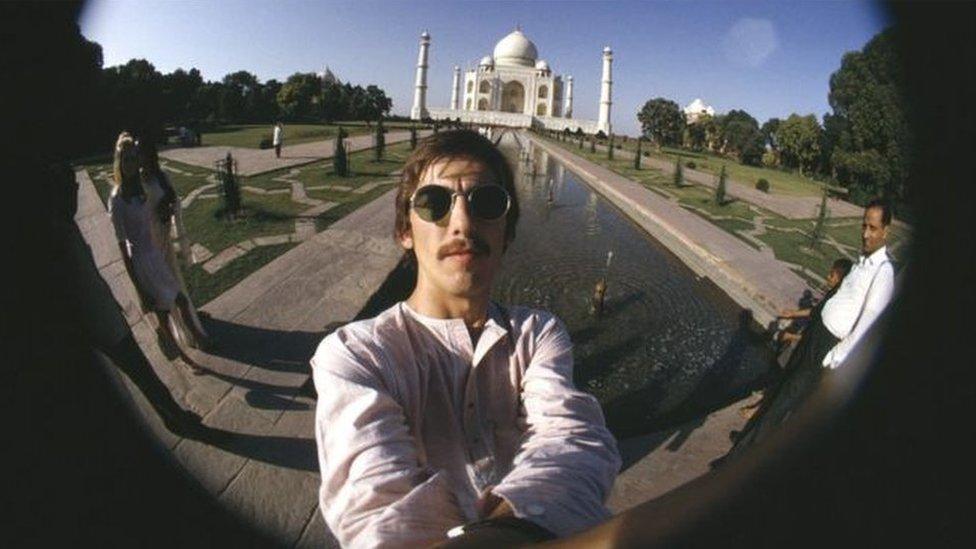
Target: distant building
{"x": 696, "y": 109}
{"x": 512, "y": 87}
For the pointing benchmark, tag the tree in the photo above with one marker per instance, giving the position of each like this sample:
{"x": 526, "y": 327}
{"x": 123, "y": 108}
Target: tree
{"x": 592, "y": 144}
{"x": 662, "y": 121}
{"x": 413, "y": 137}
{"x": 340, "y": 164}
{"x": 818, "y": 228}
{"x": 637, "y": 157}
{"x": 768, "y": 130}
{"x": 720, "y": 188}
{"x": 867, "y": 95}
{"x": 610, "y": 148}
{"x": 133, "y": 98}
{"x": 679, "y": 174}
{"x": 300, "y": 97}
{"x": 230, "y": 190}
{"x": 380, "y": 141}
{"x": 697, "y": 132}
{"x": 799, "y": 138}
{"x": 374, "y": 103}
{"x": 741, "y": 137}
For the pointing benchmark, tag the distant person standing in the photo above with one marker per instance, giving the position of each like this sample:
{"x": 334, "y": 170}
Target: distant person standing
{"x": 277, "y": 138}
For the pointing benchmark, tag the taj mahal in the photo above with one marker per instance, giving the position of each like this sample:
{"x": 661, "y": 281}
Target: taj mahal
{"x": 512, "y": 87}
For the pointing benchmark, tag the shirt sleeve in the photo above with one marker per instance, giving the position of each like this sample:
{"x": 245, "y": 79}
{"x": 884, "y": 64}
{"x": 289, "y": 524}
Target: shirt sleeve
{"x": 567, "y": 461}
{"x": 877, "y": 298}
{"x": 374, "y": 491}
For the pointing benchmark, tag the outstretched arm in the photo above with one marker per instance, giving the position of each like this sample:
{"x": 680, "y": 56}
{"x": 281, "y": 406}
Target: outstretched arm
{"x": 374, "y": 491}
{"x": 568, "y": 459}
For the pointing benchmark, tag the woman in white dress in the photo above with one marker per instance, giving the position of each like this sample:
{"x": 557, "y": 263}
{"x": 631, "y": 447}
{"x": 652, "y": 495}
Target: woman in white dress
{"x": 168, "y": 222}
{"x": 132, "y": 218}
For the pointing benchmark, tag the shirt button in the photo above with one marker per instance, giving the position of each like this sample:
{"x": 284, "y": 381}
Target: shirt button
{"x": 535, "y": 509}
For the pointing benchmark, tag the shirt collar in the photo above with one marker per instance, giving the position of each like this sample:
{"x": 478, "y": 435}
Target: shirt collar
{"x": 496, "y": 327}
{"x": 878, "y": 256}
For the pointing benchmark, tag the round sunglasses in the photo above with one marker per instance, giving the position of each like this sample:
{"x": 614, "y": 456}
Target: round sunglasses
{"x": 485, "y": 202}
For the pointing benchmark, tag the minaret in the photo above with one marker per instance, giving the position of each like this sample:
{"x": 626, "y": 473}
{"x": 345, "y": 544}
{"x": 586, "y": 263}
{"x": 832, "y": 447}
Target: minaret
{"x": 456, "y": 89}
{"x": 568, "y": 111}
{"x": 605, "y": 101}
{"x": 419, "y": 109}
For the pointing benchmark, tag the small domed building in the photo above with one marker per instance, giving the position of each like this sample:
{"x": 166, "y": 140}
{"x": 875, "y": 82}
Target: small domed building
{"x": 512, "y": 87}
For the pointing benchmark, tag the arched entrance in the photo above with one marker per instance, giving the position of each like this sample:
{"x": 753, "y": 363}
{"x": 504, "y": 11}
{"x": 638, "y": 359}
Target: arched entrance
{"x": 513, "y": 97}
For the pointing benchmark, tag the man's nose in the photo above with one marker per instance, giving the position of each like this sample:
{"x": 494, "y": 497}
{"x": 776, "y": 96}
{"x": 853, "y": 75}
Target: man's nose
{"x": 460, "y": 223}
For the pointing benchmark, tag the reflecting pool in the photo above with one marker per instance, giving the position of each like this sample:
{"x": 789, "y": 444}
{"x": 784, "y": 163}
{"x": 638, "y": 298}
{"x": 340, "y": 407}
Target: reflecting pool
{"x": 668, "y": 346}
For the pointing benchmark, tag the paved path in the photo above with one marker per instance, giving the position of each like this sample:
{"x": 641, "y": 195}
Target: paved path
{"x": 790, "y": 206}
{"x": 750, "y": 277}
{"x": 257, "y": 161}
{"x": 264, "y": 468}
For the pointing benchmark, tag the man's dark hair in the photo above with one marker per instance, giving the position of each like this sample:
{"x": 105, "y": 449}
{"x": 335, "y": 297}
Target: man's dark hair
{"x": 465, "y": 144}
{"x": 842, "y": 266}
{"x": 885, "y": 209}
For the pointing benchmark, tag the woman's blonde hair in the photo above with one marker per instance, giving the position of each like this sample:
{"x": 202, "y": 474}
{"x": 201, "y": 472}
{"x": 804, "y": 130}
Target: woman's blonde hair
{"x": 123, "y": 144}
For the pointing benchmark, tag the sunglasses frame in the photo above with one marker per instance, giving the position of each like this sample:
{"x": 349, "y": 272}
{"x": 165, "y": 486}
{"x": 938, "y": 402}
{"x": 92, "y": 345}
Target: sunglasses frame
{"x": 467, "y": 199}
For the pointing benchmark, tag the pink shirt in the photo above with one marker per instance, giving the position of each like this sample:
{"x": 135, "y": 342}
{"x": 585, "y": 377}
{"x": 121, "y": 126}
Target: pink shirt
{"x": 413, "y": 425}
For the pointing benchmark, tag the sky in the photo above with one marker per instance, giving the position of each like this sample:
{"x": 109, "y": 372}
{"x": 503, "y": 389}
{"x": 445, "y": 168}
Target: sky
{"x": 769, "y": 58}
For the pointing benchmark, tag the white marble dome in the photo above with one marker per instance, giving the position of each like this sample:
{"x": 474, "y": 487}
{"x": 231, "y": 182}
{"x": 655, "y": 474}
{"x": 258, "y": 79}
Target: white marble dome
{"x": 515, "y": 49}
{"x": 542, "y": 65}
{"x": 486, "y": 61}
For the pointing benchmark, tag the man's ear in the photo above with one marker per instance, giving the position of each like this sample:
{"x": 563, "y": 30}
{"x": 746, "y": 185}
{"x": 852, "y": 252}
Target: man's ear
{"x": 406, "y": 239}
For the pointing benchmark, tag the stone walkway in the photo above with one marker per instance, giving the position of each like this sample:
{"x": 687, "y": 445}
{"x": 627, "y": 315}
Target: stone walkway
{"x": 789, "y": 206}
{"x": 263, "y": 464}
{"x": 257, "y": 161}
{"x": 752, "y": 278}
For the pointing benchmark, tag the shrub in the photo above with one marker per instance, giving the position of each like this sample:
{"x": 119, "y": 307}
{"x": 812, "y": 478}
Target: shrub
{"x": 691, "y": 165}
{"x": 762, "y": 185}
{"x": 646, "y": 153}
{"x": 265, "y": 143}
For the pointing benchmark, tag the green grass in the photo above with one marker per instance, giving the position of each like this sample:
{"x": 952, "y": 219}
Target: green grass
{"x": 780, "y": 182}
{"x": 204, "y": 287}
{"x": 264, "y": 215}
{"x": 250, "y": 135}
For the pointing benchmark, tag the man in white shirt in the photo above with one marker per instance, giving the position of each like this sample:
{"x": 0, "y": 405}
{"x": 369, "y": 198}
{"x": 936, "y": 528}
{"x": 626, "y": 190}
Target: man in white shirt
{"x": 865, "y": 291}
{"x": 449, "y": 414}
{"x": 277, "y": 138}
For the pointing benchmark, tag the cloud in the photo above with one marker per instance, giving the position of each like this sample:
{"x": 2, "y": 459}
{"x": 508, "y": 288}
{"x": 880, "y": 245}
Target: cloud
{"x": 750, "y": 42}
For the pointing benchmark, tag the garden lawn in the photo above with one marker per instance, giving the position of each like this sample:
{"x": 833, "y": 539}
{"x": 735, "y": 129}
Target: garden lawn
{"x": 780, "y": 181}
{"x": 204, "y": 287}
{"x": 250, "y": 135}
{"x": 788, "y": 238}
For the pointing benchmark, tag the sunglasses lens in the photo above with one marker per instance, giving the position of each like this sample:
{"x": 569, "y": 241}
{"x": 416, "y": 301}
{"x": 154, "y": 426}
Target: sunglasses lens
{"x": 489, "y": 202}
{"x": 432, "y": 202}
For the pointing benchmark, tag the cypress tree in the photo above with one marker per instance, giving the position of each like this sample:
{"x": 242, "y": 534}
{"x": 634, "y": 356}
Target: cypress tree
{"x": 679, "y": 174}
{"x": 610, "y": 148}
{"x": 413, "y": 138}
{"x": 231, "y": 190}
{"x": 340, "y": 164}
{"x": 818, "y": 227}
{"x": 720, "y": 188}
{"x": 380, "y": 141}
{"x": 637, "y": 157}
{"x": 592, "y": 144}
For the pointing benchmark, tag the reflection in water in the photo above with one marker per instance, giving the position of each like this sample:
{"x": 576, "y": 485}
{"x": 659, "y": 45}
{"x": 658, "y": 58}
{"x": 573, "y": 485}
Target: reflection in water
{"x": 667, "y": 347}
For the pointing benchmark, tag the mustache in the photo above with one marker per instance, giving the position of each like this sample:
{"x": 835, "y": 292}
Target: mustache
{"x": 475, "y": 245}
